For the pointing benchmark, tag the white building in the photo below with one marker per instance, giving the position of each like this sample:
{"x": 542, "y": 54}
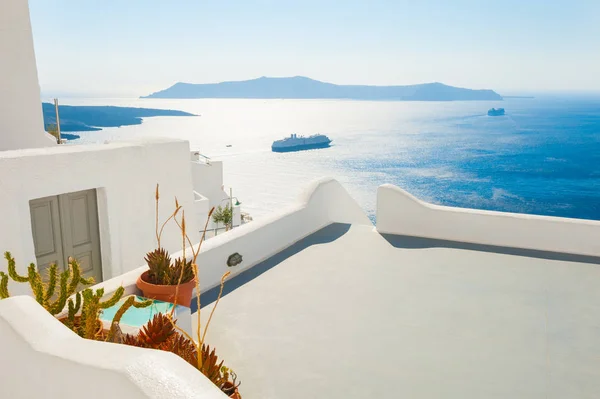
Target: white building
{"x": 94, "y": 202}
{"x": 207, "y": 178}
{"x": 432, "y": 302}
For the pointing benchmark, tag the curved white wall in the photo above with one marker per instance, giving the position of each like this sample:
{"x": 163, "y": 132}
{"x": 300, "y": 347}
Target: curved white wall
{"x": 41, "y": 358}
{"x": 21, "y": 120}
{"x": 398, "y": 212}
{"x": 324, "y": 202}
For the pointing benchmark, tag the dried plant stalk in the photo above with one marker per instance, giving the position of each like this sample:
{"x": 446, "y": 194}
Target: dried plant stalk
{"x": 200, "y": 335}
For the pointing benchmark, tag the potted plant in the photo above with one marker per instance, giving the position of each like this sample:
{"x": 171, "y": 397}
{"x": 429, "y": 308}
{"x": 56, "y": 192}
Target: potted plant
{"x": 80, "y": 311}
{"x": 223, "y": 215}
{"x": 167, "y": 280}
{"x": 164, "y": 334}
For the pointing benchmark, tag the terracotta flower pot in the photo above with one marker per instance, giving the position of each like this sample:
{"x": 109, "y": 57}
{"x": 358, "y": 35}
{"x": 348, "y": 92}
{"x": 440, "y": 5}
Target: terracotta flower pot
{"x": 235, "y": 394}
{"x": 166, "y": 293}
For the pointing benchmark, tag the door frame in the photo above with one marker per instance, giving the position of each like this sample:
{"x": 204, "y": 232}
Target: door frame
{"x": 60, "y": 204}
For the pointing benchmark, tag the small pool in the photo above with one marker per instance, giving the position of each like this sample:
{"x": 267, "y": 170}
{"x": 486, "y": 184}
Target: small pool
{"x": 135, "y": 318}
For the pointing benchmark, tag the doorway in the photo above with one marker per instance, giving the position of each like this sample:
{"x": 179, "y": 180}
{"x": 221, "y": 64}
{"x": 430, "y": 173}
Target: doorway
{"x": 67, "y": 225}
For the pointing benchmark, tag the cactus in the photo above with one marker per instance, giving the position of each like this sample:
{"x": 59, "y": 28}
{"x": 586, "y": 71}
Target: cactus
{"x": 12, "y": 270}
{"x": 68, "y": 282}
{"x": 73, "y": 309}
{"x": 124, "y": 308}
{"x": 88, "y": 323}
{"x": 53, "y": 275}
{"x": 3, "y": 286}
{"x": 91, "y": 307}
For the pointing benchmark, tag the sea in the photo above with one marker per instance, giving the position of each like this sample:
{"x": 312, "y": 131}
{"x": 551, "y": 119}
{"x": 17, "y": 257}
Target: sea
{"x": 542, "y": 157}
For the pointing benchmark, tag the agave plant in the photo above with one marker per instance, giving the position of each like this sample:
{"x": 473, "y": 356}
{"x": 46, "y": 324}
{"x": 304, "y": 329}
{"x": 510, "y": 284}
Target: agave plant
{"x": 162, "y": 271}
{"x": 160, "y": 333}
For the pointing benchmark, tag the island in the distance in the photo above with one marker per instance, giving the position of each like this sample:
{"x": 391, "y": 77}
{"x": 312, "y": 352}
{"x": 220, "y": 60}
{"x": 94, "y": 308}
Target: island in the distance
{"x": 300, "y": 87}
{"x": 91, "y": 118}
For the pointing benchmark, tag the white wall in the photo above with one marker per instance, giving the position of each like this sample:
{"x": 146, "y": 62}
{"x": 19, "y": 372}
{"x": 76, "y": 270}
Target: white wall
{"x": 324, "y": 202}
{"x": 125, "y": 175}
{"x": 201, "y": 204}
{"x": 400, "y": 213}
{"x": 44, "y": 355}
{"x": 207, "y": 179}
{"x": 237, "y": 215}
{"x": 41, "y": 358}
{"x": 21, "y": 121}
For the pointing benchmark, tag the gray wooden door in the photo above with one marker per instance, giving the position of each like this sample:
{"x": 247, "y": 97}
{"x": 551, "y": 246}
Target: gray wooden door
{"x": 67, "y": 225}
{"x": 47, "y": 239}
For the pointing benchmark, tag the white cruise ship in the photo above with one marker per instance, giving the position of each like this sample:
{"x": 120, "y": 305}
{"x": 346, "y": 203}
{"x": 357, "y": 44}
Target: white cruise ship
{"x": 299, "y": 143}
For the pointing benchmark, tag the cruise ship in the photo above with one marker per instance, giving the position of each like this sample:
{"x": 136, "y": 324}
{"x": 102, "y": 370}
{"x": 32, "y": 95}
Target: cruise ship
{"x": 496, "y": 112}
{"x": 299, "y": 143}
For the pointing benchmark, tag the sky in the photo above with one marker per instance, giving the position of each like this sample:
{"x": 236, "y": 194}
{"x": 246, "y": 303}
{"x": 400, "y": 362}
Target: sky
{"x": 129, "y": 48}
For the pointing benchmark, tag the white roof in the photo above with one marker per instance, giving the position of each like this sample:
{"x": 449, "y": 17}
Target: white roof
{"x": 350, "y": 313}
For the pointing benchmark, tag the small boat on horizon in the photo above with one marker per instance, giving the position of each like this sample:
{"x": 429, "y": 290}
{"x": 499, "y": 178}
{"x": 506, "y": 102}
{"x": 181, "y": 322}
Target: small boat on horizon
{"x": 299, "y": 143}
{"x": 496, "y": 112}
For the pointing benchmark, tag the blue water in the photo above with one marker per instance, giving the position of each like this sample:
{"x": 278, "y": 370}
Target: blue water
{"x": 136, "y": 317}
{"x": 542, "y": 157}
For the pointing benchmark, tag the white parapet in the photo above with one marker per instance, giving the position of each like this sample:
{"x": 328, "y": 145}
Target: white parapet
{"x": 400, "y": 213}
{"x": 41, "y": 358}
{"x": 21, "y": 120}
{"x": 324, "y": 202}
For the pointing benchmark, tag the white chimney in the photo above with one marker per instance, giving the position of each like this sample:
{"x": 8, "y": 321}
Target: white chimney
{"x": 21, "y": 119}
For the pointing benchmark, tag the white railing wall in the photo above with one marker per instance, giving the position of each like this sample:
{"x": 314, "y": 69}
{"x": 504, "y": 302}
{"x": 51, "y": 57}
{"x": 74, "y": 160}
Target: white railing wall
{"x": 324, "y": 202}
{"x": 400, "y": 213}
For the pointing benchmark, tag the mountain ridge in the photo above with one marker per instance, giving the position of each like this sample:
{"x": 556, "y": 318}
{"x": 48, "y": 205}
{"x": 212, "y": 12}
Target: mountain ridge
{"x": 300, "y": 87}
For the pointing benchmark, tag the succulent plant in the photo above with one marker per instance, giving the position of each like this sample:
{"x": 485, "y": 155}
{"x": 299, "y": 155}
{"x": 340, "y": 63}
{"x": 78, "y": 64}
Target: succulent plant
{"x": 181, "y": 269}
{"x": 211, "y": 367}
{"x": 114, "y": 326}
{"x": 88, "y": 323}
{"x": 164, "y": 272}
{"x": 159, "y": 263}
{"x": 83, "y": 307}
{"x": 156, "y": 332}
{"x": 3, "y": 286}
{"x": 68, "y": 281}
{"x": 160, "y": 333}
